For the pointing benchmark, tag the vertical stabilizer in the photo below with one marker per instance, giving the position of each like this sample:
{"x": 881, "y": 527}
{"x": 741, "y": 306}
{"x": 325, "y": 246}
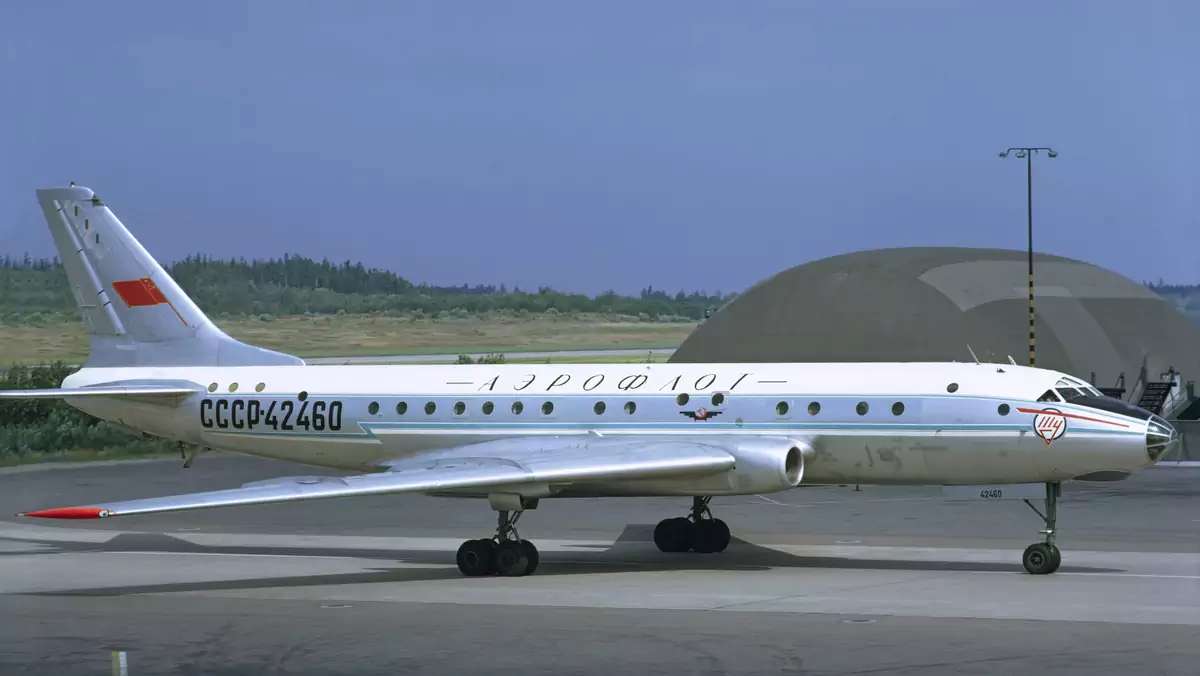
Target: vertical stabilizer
{"x": 135, "y": 314}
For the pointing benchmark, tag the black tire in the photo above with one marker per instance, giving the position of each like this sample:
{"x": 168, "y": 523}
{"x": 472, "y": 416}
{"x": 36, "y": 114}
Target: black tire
{"x": 477, "y": 558}
{"x": 723, "y": 535}
{"x": 531, "y": 553}
{"x": 1041, "y": 559}
{"x": 705, "y": 536}
{"x": 511, "y": 559}
{"x": 671, "y": 535}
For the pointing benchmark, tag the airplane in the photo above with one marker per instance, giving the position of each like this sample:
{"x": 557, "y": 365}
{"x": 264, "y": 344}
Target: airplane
{"x": 516, "y": 434}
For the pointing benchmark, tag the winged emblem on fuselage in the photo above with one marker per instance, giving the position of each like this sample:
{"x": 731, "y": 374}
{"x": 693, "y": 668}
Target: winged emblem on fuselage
{"x": 700, "y": 414}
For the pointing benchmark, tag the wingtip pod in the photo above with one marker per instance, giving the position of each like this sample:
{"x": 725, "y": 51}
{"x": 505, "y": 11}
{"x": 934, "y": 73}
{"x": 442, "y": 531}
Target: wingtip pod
{"x": 69, "y": 513}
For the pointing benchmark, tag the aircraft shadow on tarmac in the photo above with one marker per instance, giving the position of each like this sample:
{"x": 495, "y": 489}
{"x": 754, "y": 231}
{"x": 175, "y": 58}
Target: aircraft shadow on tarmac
{"x": 633, "y": 551}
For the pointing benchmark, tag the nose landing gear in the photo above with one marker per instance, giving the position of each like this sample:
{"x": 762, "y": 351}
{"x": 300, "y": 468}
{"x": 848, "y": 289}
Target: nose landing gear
{"x": 504, "y": 554}
{"x": 699, "y": 532}
{"x": 1043, "y": 558}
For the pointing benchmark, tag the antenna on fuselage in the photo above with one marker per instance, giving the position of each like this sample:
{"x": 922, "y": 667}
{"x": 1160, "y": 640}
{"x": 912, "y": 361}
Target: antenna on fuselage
{"x": 972, "y": 353}
{"x": 1011, "y": 360}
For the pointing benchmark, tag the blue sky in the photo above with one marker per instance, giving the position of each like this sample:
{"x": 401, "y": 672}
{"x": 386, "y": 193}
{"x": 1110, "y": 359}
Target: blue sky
{"x": 588, "y": 146}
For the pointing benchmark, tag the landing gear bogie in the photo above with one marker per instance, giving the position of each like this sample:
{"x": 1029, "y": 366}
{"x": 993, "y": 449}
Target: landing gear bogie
{"x": 700, "y": 532}
{"x": 505, "y": 554}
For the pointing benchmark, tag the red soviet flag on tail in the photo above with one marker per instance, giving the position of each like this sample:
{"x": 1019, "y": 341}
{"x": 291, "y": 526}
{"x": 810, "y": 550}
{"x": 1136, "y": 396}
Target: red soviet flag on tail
{"x": 140, "y": 292}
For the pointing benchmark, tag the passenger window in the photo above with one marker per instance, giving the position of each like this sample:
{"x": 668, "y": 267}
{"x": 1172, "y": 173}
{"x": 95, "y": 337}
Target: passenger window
{"x": 517, "y": 407}
{"x": 599, "y": 408}
{"x": 430, "y": 408}
{"x": 373, "y": 408}
{"x": 547, "y": 408}
{"x": 402, "y": 408}
{"x": 460, "y": 408}
{"x": 630, "y": 407}
{"x": 488, "y": 407}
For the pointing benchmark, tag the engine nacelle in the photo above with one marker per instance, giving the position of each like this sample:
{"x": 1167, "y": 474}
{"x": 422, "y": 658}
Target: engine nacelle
{"x": 762, "y": 465}
{"x": 767, "y": 465}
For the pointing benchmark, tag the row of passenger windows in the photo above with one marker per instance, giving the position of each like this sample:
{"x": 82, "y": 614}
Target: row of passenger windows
{"x": 782, "y": 408}
{"x": 489, "y": 407}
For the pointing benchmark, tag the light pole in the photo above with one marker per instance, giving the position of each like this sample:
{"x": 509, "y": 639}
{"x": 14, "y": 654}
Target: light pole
{"x": 1027, "y": 155}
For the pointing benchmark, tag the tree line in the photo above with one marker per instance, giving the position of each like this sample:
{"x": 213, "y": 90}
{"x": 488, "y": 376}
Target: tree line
{"x": 45, "y": 428}
{"x": 295, "y": 285}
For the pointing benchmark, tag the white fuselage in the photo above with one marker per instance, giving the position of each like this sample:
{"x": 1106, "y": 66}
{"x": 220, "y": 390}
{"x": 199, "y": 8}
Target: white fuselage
{"x": 918, "y": 423}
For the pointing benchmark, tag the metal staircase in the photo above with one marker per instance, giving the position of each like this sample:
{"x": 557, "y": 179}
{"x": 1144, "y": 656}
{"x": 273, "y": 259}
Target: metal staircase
{"x": 1154, "y": 395}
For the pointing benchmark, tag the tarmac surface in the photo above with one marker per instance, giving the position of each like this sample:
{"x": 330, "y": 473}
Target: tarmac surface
{"x": 818, "y": 580}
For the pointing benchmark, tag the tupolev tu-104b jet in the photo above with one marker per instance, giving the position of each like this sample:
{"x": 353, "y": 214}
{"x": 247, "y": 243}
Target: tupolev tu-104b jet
{"x": 515, "y": 434}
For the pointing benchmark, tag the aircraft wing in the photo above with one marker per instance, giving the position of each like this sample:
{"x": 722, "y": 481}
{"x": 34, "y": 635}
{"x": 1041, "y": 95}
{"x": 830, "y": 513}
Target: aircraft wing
{"x": 506, "y": 465}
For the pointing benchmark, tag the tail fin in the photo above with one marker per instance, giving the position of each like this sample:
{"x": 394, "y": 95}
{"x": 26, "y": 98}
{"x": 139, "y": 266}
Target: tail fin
{"x": 135, "y": 314}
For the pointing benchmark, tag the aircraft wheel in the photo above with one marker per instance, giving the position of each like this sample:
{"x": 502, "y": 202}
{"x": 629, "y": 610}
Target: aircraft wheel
{"x": 1041, "y": 559}
{"x": 512, "y": 559}
{"x": 672, "y": 535}
{"x": 723, "y": 535}
{"x": 707, "y": 537}
{"x": 531, "y": 553}
{"x": 477, "y": 558}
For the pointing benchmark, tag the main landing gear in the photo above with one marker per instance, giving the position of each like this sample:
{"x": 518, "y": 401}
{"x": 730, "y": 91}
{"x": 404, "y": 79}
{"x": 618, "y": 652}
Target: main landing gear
{"x": 1042, "y": 558}
{"x": 699, "y": 532}
{"x": 505, "y": 553}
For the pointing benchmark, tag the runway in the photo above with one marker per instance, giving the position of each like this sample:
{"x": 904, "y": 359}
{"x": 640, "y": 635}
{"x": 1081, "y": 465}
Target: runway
{"x": 821, "y": 580}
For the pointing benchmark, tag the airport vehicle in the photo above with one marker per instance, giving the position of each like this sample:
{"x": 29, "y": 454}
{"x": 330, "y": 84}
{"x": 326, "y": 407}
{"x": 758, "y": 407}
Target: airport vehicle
{"x": 517, "y": 434}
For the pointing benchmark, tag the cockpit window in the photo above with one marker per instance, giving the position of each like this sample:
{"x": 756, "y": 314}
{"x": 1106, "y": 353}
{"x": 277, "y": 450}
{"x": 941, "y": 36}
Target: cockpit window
{"x": 1069, "y": 393}
{"x": 1081, "y": 394}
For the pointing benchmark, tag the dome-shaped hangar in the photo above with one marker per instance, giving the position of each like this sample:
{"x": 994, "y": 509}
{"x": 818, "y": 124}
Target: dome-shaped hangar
{"x": 929, "y": 304}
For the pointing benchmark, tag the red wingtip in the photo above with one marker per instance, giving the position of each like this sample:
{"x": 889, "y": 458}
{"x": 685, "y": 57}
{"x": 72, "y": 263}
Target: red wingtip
{"x": 70, "y": 513}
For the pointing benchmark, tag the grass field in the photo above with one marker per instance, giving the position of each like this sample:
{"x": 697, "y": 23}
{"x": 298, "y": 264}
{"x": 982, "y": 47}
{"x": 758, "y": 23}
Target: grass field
{"x": 363, "y": 335}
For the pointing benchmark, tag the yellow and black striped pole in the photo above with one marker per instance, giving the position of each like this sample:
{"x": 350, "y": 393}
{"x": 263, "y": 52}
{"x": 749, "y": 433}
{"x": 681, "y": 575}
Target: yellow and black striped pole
{"x": 1027, "y": 155}
{"x": 1029, "y": 201}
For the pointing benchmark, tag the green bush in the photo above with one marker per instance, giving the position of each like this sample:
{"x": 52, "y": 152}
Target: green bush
{"x": 43, "y": 428}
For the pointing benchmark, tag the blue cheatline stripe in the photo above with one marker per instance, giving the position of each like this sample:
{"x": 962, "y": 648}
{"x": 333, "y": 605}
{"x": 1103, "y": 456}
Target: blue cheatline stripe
{"x": 651, "y": 427}
{"x": 412, "y": 398}
{"x": 539, "y": 394}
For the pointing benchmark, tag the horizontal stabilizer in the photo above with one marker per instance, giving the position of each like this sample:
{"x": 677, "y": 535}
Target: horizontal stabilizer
{"x": 72, "y": 393}
{"x": 631, "y": 460}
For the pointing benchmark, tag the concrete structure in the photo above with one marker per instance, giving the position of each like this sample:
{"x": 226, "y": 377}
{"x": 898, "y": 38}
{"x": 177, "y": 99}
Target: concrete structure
{"x": 930, "y": 304}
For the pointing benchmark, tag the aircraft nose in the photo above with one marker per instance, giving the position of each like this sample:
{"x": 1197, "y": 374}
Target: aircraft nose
{"x": 1161, "y": 438}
